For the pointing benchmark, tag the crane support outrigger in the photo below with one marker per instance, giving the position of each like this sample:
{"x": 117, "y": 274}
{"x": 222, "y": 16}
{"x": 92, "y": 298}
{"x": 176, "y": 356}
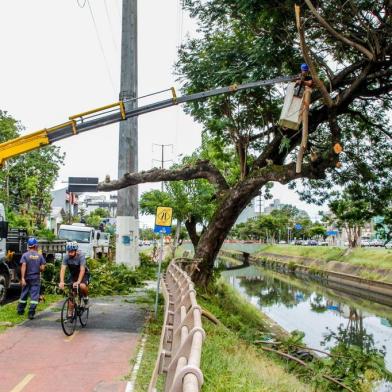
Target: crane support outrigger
{"x": 109, "y": 114}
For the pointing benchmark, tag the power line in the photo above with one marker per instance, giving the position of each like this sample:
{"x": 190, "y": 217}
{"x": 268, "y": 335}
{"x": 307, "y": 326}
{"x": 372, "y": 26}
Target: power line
{"x": 81, "y": 5}
{"x": 110, "y": 25}
{"x": 162, "y": 160}
{"x": 101, "y": 46}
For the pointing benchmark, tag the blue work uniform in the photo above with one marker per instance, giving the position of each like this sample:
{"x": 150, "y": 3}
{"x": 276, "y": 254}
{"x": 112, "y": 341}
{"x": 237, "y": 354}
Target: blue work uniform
{"x": 33, "y": 261}
{"x": 74, "y": 264}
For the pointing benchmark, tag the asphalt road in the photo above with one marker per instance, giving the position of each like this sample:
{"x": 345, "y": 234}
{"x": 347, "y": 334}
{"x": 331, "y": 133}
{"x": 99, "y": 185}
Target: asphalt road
{"x": 37, "y": 356}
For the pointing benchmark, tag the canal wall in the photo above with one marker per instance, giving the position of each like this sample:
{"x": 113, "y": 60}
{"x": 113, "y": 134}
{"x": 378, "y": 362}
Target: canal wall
{"x": 370, "y": 289}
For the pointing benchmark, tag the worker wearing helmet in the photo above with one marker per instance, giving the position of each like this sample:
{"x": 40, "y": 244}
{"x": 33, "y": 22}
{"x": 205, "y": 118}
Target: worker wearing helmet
{"x": 76, "y": 263}
{"x": 304, "y": 79}
{"x": 32, "y": 264}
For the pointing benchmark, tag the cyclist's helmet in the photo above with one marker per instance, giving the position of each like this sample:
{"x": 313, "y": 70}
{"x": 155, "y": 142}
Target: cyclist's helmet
{"x": 304, "y": 67}
{"x": 31, "y": 242}
{"x": 71, "y": 246}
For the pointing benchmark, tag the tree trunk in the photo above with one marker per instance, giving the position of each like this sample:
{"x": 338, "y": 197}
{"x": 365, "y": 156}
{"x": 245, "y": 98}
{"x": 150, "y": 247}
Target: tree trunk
{"x": 212, "y": 239}
{"x": 190, "y": 225}
{"x": 176, "y": 237}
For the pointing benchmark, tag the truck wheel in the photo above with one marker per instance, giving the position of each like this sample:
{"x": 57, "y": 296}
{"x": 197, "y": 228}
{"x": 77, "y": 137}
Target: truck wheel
{"x": 3, "y": 287}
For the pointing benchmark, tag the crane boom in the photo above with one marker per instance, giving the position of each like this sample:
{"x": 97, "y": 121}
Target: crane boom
{"x": 109, "y": 114}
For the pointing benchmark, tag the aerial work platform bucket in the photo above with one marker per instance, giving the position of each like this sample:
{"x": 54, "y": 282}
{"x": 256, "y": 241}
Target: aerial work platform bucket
{"x": 291, "y": 115}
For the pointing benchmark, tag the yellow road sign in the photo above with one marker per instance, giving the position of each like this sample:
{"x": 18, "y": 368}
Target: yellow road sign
{"x": 164, "y": 216}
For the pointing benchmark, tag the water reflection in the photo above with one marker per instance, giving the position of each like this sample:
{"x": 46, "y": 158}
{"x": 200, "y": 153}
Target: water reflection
{"x": 330, "y": 320}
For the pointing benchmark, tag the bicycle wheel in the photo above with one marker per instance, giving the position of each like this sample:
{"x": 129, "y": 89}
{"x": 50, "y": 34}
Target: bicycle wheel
{"x": 83, "y": 316}
{"x": 68, "y": 317}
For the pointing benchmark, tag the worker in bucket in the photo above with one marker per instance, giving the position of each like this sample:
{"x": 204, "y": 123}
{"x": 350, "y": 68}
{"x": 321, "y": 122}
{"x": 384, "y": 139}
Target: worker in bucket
{"x": 304, "y": 79}
{"x": 32, "y": 264}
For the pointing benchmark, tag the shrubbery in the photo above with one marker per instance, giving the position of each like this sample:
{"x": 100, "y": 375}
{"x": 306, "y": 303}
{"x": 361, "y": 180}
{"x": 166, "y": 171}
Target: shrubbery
{"x": 107, "y": 278}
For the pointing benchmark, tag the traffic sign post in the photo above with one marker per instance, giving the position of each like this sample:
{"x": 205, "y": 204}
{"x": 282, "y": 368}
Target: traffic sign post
{"x": 163, "y": 222}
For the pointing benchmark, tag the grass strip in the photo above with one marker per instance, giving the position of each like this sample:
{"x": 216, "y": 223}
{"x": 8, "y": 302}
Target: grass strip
{"x": 10, "y": 318}
{"x": 373, "y": 258}
{"x": 230, "y": 362}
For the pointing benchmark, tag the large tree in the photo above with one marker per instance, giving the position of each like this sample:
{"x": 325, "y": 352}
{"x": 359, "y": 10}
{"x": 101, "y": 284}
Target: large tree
{"x": 348, "y": 46}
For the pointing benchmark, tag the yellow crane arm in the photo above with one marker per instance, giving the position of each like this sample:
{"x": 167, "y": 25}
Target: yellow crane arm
{"x": 113, "y": 113}
{"x": 23, "y": 144}
{"x": 38, "y": 139}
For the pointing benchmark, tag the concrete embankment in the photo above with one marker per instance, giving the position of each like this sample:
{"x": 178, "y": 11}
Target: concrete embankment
{"x": 352, "y": 279}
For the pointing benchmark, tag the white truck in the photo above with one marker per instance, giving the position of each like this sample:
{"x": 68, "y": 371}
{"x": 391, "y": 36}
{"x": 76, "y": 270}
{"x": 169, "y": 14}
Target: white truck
{"x": 93, "y": 243}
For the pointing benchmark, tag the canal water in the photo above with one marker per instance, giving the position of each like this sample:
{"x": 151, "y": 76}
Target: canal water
{"x": 325, "y": 316}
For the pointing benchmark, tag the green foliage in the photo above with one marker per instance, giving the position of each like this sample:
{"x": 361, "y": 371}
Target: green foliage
{"x": 45, "y": 234}
{"x": 274, "y": 226}
{"x": 384, "y": 225}
{"x": 148, "y": 234}
{"x": 95, "y": 217}
{"x": 28, "y": 179}
{"x": 93, "y": 220}
{"x": 354, "y": 359}
{"x": 106, "y": 278}
{"x": 191, "y": 201}
{"x": 351, "y": 213}
{"x": 102, "y": 212}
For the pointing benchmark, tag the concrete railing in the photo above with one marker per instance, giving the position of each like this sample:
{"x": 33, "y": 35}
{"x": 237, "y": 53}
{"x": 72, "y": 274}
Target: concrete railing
{"x": 182, "y": 335}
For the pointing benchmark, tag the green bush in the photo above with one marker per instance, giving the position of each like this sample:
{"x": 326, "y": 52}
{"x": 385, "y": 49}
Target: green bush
{"x": 107, "y": 278}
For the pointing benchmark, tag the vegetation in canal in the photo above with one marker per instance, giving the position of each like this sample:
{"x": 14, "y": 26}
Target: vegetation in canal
{"x": 354, "y": 360}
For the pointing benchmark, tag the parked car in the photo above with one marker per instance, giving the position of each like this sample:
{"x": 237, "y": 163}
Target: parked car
{"x": 282, "y": 242}
{"x": 365, "y": 243}
{"x": 312, "y": 243}
{"x": 388, "y": 245}
{"x": 299, "y": 242}
{"x": 323, "y": 243}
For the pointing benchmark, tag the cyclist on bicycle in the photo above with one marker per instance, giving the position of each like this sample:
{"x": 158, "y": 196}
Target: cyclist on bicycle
{"x": 76, "y": 263}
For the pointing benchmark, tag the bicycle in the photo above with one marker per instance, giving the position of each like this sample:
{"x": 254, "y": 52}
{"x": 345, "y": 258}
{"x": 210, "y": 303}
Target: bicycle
{"x": 73, "y": 308}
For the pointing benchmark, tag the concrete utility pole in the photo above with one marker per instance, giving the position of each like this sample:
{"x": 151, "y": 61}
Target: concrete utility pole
{"x": 127, "y": 209}
{"x": 162, "y": 160}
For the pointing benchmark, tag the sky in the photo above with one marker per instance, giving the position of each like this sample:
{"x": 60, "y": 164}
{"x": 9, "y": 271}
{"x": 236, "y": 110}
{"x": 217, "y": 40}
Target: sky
{"x": 62, "y": 57}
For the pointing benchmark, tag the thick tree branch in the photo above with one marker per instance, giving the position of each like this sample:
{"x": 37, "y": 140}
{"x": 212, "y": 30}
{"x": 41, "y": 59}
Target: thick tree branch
{"x": 201, "y": 169}
{"x": 348, "y": 93}
{"x": 305, "y": 51}
{"x": 337, "y": 35}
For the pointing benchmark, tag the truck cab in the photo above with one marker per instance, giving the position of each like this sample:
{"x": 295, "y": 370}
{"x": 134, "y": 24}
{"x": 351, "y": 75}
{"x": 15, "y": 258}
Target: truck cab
{"x": 80, "y": 233}
{"x": 92, "y": 243}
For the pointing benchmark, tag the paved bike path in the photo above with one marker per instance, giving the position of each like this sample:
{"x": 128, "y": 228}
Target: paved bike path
{"x": 37, "y": 356}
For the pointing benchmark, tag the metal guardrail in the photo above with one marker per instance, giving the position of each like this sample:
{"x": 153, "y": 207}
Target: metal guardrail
{"x": 182, "y": 335}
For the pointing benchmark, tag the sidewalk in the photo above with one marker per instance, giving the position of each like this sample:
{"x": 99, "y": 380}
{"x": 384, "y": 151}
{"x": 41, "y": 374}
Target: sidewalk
{"x": 37, "y": 356}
